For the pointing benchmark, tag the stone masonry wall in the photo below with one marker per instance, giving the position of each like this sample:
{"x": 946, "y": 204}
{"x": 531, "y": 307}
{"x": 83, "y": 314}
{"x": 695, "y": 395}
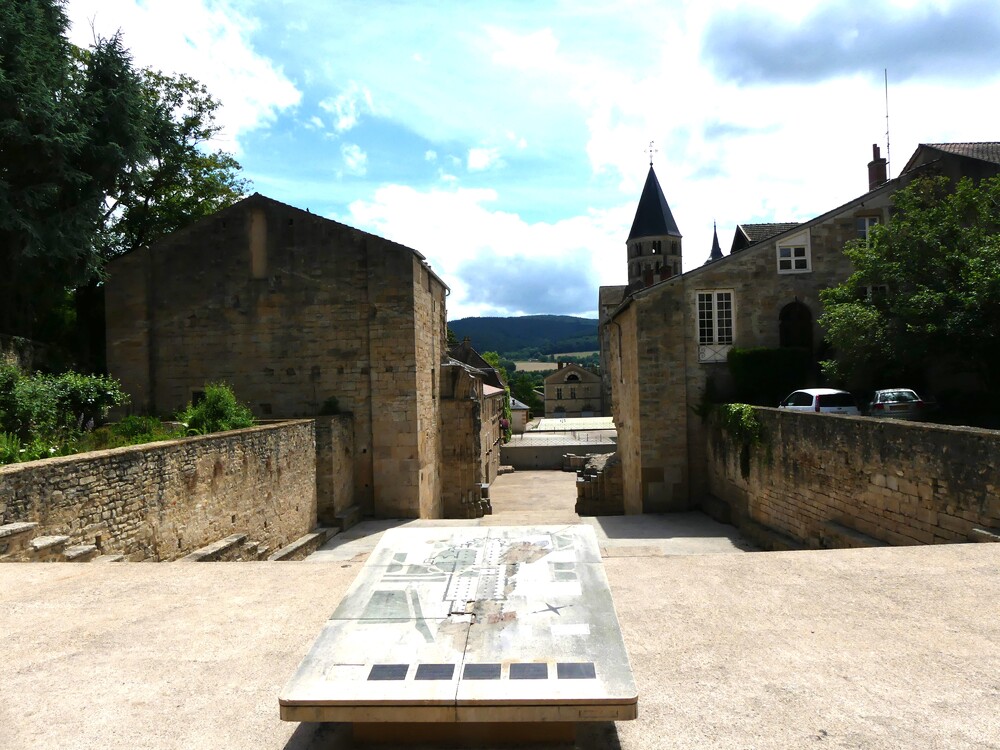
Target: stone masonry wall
{"x": 897, "y": 482}
{"x": 334, "y": 467}
{"x": 163, "y": 500}
{"x": 292, "y": 309}
{"x": 624, "y": 372}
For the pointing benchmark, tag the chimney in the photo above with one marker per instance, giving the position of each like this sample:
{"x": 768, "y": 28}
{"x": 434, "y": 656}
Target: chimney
{"x": 561, "y": 365}
{"x": 876, "y": 169}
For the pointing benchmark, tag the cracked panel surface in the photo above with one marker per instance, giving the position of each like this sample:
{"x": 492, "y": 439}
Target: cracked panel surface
{"x": 513, "y": 618}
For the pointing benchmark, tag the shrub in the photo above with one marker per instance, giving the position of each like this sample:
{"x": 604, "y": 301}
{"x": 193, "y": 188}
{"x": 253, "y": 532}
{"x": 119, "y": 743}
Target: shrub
{"x": 216, "y": 412}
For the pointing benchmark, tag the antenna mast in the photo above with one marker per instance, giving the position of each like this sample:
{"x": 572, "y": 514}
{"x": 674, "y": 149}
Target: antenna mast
{"x": 888, "y": 155}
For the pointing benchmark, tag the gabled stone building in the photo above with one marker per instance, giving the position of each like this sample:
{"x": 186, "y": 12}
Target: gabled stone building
{"x": 572, "y": 391}
{"x": 301, "y": 315}
{"x": 663, "y": 342}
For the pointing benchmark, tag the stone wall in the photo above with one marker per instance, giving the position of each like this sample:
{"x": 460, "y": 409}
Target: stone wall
{"x": 820, "y": 477}
{"x": 334, "y": 468}
{"x": 599, "y": 486}
{"x": 470, "y": 442}
{"x": 292, "y": 309}
{"x": 163, "y": 500}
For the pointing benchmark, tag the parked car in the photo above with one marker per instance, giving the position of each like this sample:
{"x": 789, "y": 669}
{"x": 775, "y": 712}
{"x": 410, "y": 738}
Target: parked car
{"x": 897, "y": 403}
{"x": 826, "y": 400}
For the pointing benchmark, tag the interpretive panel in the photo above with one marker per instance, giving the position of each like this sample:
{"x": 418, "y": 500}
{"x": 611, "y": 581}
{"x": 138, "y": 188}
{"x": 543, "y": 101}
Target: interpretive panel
{"x": 482, "y": 624}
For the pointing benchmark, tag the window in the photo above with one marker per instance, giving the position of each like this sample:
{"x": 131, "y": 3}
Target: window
{"x": 572, "y": 393}
{"x": 863, "y": 225}
{"x": 715, "y": 325}
{"x": 876, "y": 293}
{"x": 558, "y": 394}
{"x": 793, "y": 259}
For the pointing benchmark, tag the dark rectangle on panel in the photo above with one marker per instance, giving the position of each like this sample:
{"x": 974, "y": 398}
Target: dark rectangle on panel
{"x": 582, "y": 670}
{"x": 388, "y": 672}
{"x": 531, "y": 671}
{"x": 481, "y": 672}
{"x": 434, "y": 671}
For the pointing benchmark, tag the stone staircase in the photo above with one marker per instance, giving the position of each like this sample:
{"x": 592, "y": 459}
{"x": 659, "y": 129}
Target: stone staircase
{"x": 19, "y": 543}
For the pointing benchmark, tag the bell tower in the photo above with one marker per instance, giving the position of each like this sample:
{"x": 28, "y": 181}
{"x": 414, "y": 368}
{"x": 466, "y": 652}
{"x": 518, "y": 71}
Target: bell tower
{"x": 654, "y": 243}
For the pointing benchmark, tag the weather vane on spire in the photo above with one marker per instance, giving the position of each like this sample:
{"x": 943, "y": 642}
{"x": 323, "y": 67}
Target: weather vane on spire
{"x": 651, "y": 151}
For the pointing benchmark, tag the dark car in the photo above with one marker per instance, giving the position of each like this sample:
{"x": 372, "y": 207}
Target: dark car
{"x": 897, "y": 403}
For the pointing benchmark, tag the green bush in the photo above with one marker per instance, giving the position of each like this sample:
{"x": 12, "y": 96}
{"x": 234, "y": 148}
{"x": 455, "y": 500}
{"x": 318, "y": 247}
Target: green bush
{"x": 216, "y": 412}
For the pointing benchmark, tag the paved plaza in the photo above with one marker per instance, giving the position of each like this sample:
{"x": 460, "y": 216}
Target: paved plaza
{"x": 894, "y": 647}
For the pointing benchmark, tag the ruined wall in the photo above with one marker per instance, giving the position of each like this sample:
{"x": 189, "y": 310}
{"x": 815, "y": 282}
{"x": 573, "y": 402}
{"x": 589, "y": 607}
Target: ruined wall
{"x": 624, "y": 372}
{"x": 334, "y": 467}
{"x": 897, "y": 482}
{"x": 462, "y": 442}
{"x": 163, "y": 500}
{"x": 431, "y": 337}
{"x": 291, "y": 309}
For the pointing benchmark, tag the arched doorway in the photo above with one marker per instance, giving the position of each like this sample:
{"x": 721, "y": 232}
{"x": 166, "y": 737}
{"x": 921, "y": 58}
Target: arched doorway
{"x": 795, "y": 326}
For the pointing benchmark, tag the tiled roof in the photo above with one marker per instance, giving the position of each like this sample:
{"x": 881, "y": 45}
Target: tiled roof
{"x": 984, "y": 151}
{"x": 653, "y": 217}
{"x": 760, "y": 232}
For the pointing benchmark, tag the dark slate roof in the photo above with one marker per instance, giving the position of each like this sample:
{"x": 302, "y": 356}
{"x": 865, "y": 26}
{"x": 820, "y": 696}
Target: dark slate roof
{"x": 465, "y": 354}
{"x": 984, "y": 151}
{"x": 987, "y": 151}
{"x": 716, "y": 250}
{"x": 653, "y": 217}
{"x": 750, "y": 234}
{"x": 760, "y": 232}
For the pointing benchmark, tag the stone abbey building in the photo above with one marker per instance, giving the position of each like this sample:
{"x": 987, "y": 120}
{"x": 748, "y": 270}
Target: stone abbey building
{"x": 666, "y": 335}
{"x": 302, "y": 316}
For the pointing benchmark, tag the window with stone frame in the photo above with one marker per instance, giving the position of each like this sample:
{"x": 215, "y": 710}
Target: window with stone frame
{"x": 716, "y": 324}
{"x": 794, "y": 259}
{"x": 864, "y": 224}
{"x": 558, "y": 394}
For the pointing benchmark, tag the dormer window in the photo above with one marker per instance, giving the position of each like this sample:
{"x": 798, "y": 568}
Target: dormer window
{"x": 793, "y": 254}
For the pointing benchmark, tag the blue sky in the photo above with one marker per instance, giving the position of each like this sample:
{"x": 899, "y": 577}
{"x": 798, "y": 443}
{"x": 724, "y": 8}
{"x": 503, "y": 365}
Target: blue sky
{"x": 507, "y": 141}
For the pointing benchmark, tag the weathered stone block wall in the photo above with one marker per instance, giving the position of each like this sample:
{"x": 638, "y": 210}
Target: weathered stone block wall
{"x": 292, "y": 309}
{"x": 624, "y": 370}
{"x": 599, "y": 486}
{"x": 469, "y": 457}
{"x": 163, "y": 500}
{"x": 334, "y": 467}
{"x": 897, "y": 482}
{"x": 430, "y": 340}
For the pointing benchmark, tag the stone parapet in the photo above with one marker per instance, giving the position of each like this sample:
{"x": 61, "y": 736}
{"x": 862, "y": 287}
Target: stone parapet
{"x": 162, "y": 501}
{"x": 831, "y": 481}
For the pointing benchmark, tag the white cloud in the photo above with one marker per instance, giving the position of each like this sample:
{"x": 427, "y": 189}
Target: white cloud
{"x": 461, "y": 233}
{"x": 482, "y": 158}
{"x": 348, "y": 106}
{"x": 430, "y": 155}
{"x": 355, "y": 160}
{"x": 206, "y": 39}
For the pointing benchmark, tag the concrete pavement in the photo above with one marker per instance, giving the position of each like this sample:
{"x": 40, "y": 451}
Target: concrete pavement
{"x": 876, "y": 648}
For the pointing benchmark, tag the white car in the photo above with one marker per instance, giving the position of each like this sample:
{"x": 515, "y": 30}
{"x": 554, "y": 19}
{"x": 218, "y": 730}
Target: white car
{"x": 825, "y": 400}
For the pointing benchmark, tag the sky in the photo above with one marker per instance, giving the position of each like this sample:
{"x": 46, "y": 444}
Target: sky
{"x": 508, "y": 141}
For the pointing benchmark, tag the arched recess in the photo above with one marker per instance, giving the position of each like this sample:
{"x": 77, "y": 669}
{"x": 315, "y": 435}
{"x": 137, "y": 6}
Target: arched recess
{"x": 795, "y": 326}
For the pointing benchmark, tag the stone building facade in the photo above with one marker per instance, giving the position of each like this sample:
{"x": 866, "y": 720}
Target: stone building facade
{"x": 472, "y": 409}
{"x": 573, "y": 391}
{"x": 301, "y": 315}
{"x": 665, "y": 341}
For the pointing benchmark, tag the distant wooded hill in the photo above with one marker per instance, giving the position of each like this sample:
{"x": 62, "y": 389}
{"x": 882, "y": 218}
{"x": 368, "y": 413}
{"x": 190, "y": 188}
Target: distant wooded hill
{"x": 546, "y": 334}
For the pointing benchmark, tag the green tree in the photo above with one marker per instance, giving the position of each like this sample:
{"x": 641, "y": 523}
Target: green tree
{"x": 71, "y": 126}
{"x": 926, "y": 288}
{"x": 179, "y": 181}
{"x": 522, "y": 387}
